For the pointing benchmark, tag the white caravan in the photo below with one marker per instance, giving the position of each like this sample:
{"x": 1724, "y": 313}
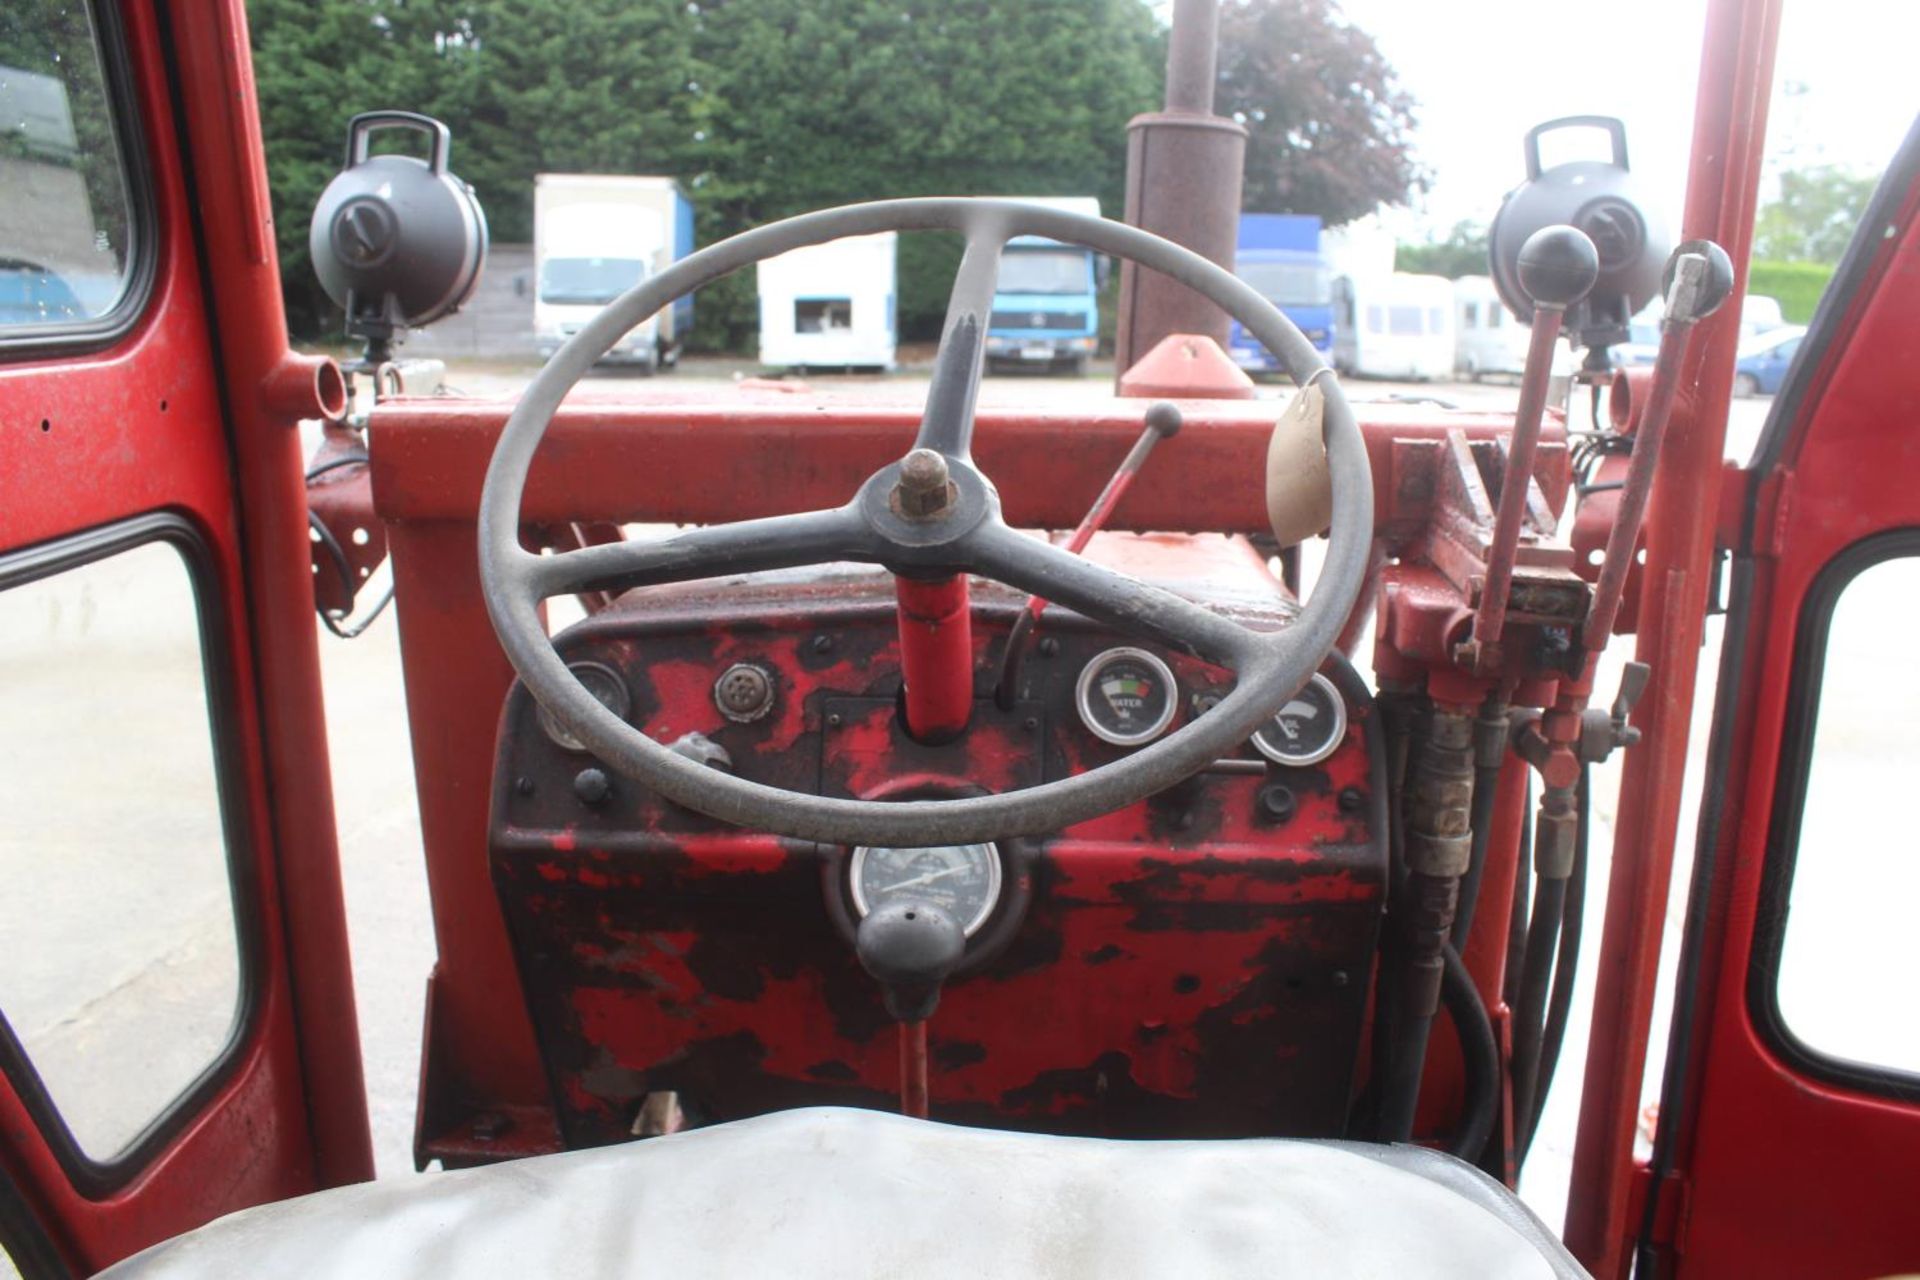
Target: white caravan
{"x": 830, "y": 306}
{"x": 1395, "y": 326}
{"x": 1488, "y": 338}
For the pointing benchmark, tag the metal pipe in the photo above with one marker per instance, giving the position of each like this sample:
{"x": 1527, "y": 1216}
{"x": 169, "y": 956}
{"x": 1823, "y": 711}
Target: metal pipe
{"x": 1184, "y": 171}
{"x": 1193, "y": 48}
{"x": 1624, "y": 537}
{"x": 936, "y": 655}
{"x": 913, "y": 1069}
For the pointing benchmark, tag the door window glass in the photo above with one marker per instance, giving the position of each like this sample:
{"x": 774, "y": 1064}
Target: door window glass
{"x": 66, "y": 224}
{"x": 122, "y": 975}
{"x": 1845, "y": 985}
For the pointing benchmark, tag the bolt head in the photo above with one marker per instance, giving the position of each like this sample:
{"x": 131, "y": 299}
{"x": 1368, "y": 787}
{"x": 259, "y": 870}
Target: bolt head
{"x": 925, "y": 488}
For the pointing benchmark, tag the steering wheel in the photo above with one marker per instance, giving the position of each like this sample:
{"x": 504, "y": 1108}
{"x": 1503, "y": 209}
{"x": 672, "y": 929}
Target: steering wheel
{"x": 933, "y": 513}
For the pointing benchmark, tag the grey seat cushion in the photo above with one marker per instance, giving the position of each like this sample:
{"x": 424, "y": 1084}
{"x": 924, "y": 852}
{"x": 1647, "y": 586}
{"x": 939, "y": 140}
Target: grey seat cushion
{"x": 841, "y": 1195}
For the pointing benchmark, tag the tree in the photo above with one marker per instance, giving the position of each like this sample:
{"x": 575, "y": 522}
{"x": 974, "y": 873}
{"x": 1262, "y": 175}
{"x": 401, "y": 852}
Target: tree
{"x": 525, "y": 85}
{"x": 763, "y": 108}
{"x": 1814, "y": 216}
{"x": 1462, "y": 253}
{"x": 1330, "y": 128}
{"x": 832, "y": 101}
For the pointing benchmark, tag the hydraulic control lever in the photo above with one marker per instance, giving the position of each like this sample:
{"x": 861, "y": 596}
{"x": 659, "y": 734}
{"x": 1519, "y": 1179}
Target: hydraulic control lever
{"x": 1699, "y": 278}
{"x": 1163, "y": 423}
{"x": 1557, "y": 267}
{"x": 910, "y": 948}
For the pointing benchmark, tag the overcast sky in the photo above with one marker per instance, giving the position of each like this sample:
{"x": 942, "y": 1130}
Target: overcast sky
{"x": 1486, "y": 71}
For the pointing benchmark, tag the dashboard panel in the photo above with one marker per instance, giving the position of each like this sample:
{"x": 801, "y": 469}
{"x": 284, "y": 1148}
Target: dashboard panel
{"x": 1127, "y": 975}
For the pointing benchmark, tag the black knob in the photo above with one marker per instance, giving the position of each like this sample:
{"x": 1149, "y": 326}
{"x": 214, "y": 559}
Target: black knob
{"x": 1558, "y": 266}
{"x": 910, "y": 948}
{"x": 1277, "y": 804}
{"x": 1164, "y": 418}
{"x": 592, "y": 786}
{"x": 1715, "y": 283}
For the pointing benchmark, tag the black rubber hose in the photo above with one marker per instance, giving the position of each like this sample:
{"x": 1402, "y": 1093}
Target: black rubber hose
{"x": 334, "y": 464}
{"x": 1560, "y": 1004}
{"x": 1517, "y": 914}
{"x": 1485, "y": 794}
{"x": 1530, "y": 1009}
{"x": 1480, "y": 1059}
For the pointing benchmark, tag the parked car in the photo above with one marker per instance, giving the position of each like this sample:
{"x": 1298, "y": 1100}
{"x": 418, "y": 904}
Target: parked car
{"x": 1763, "y": 361}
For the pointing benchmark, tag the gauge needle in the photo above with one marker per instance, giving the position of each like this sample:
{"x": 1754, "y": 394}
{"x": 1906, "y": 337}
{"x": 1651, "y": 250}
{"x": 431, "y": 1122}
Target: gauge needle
{"x": 928, "y": 878}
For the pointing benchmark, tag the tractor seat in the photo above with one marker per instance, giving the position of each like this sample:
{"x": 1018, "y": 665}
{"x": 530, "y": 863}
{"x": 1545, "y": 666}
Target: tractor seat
{"x": 842, "y": 1194}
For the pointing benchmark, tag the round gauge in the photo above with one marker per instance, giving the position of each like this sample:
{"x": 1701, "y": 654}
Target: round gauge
{"x": 961, "y": 879}
{"x": 608, "y": 689}
{"x": 1126, "y": 697}
{"x": 1308, "y": 729}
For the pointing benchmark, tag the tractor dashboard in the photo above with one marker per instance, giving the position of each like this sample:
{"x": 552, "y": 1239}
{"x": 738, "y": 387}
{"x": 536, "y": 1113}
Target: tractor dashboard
{"x": 1216, "y": 938}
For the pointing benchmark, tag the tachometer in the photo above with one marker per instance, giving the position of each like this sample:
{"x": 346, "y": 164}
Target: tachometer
{"x": 608, "y": 689}
{"x": 1308, "y": 729}
{"x": 1126, "y": 696}
{"x": 961, "y": 879}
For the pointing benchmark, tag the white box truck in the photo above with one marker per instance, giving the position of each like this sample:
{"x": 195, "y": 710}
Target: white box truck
{"x": 830, "y": 306}
{"x": 595, "y": 236}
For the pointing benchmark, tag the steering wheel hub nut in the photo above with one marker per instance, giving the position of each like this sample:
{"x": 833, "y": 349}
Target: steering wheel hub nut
{"x": 924, "y": 490}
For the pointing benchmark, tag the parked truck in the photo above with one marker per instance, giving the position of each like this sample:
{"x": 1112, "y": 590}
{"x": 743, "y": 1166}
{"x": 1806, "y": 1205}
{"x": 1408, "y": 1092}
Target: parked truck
{"x": 1046, "y": 310}
{"x": 830, "y": 306}
{"x": 1279, "y": 254}
{"x": 595, "y": 236}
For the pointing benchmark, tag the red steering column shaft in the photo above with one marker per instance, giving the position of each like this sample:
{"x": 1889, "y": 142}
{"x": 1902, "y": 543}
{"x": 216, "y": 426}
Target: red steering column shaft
{"x": 936, "y": 655}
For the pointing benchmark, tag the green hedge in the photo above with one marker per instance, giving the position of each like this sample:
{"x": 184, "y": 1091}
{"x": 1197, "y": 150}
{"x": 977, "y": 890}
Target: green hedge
{"x": 1798, "y": 286}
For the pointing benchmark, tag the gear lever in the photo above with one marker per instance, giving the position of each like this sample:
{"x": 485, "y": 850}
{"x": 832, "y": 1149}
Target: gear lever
{"x": 910, "y": 947}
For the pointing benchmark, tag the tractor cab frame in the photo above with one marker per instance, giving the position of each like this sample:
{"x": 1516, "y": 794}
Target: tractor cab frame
{"x": 998, "y": 896}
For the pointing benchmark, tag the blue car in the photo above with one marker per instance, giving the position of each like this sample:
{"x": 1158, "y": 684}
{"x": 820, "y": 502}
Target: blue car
{"x": 1763, "y": 361}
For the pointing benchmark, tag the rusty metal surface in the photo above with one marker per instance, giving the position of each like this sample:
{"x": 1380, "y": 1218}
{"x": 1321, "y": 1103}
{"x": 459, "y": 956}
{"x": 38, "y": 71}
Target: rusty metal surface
{"x": 1184, "y": 966}
{"x": 760, "y": 453}
{"x": 1184, "y": 171}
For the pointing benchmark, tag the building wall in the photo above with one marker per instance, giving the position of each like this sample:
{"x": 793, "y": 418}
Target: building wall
{"x": 496, "y": 323}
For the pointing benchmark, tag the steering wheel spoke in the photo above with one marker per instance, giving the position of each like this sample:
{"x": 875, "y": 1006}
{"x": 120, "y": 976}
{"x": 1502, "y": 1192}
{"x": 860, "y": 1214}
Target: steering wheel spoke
{"x": 711, "y": 551}
{"x": 1052, "y": 573}
{"x": 946, "y": 424}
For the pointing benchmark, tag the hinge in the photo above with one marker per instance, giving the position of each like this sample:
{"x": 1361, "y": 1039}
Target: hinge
{"x": 1773, "y": 507}
{"x": 1666, "y": 1225}
{"x": 1769, "y": 494}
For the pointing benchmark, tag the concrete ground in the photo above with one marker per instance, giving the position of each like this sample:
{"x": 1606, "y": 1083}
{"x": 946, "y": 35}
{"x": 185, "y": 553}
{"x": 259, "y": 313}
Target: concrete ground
{"x": 95, "y": 994}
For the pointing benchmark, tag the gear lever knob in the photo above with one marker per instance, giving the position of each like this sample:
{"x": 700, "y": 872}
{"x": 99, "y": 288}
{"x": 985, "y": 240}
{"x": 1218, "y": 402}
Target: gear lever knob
{"x": 910, "y": 948}
{"x": 1558, "y": 266}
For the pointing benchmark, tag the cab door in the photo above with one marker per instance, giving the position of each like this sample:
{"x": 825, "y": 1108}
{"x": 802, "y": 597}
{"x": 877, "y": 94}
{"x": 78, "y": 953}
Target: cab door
{"x": 177, "y": 1035}
{"x": 1789, "y": 1134}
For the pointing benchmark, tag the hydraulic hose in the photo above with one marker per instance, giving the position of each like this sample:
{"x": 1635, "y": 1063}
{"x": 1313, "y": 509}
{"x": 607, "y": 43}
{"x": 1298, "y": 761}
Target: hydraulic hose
{"x": 1517, "y": 915}
{"x": 1560, "y": 1003}
{"x": 1489, "y": 753}
{"x": 1530, "y": 1008}
{"x": 1479, "y": 1056}
{"x": 1484, "y": 798}
{"x": 1556, "y": 845}
{"x": 1437, "y": 845}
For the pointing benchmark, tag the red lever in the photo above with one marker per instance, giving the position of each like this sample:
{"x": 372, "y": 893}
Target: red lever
{"x": 1163, "y": 422}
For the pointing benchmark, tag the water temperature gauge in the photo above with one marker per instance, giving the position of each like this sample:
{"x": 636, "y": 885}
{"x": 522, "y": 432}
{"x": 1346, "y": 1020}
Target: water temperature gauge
{"x": 1126, "y": 696}
{"x": 1308, "y": 729}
